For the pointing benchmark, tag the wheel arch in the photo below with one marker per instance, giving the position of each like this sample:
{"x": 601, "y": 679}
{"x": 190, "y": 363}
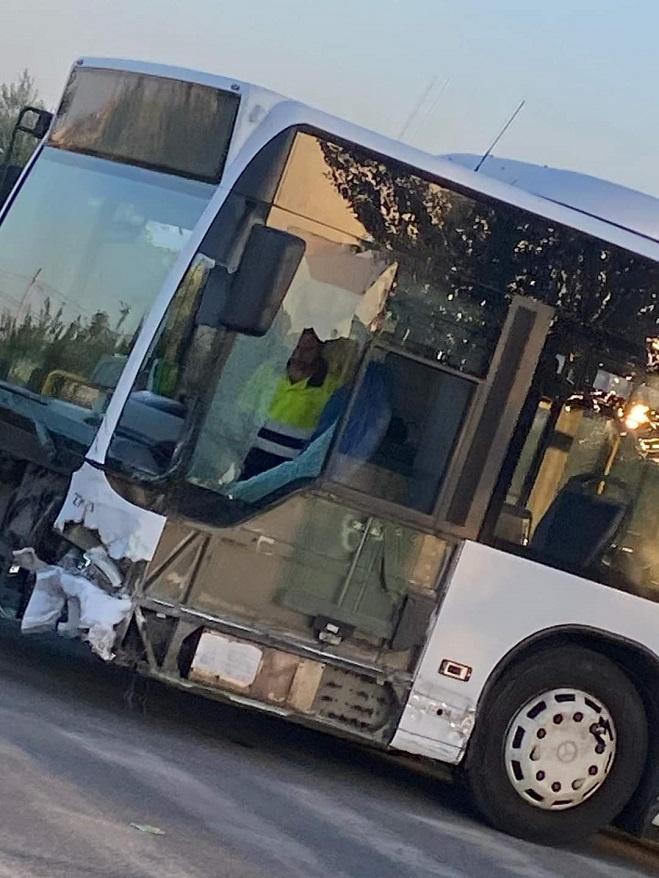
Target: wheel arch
{"x": 640, "y": 664}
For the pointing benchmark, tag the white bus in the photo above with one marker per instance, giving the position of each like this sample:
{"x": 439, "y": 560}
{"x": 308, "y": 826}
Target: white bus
{"x": 302, "y": 418}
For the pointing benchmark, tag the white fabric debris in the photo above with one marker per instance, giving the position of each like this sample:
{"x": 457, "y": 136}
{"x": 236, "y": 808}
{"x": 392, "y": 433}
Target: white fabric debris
{"x": 71, "y": 628}
{"x": 93, "y": 614}
{"x": 125, "y": 530}
{"x": 45, "y": 606}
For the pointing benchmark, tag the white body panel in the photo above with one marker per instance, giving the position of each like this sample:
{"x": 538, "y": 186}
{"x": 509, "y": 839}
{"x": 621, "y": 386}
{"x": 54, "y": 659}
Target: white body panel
{"x": 494, "y": 602}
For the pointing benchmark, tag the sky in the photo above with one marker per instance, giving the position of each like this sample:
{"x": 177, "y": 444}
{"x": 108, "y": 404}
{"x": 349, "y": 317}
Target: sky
{"x": 588, "y": 70}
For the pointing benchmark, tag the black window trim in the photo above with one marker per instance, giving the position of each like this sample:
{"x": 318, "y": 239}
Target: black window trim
{"x": 498, "y": 425}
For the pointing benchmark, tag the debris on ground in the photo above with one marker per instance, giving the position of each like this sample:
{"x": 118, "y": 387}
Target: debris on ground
{"x": 150, "y": 830}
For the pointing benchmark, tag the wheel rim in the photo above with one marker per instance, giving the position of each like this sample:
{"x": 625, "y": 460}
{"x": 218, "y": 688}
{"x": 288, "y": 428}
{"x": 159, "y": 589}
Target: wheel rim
{"x": 560, "y": 748}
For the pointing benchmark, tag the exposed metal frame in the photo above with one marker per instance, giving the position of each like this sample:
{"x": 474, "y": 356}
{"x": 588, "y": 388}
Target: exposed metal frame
{"x": 255, "y": 634}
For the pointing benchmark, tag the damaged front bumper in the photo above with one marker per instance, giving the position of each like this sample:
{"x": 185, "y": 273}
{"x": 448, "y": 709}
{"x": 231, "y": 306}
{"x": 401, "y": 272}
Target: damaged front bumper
{"x": 87, "y": 589}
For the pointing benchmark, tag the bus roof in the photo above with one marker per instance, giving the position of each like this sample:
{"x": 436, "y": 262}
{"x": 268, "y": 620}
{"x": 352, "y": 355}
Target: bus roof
{"x": 627, "y": 208}
{"x": 607, "y": 225}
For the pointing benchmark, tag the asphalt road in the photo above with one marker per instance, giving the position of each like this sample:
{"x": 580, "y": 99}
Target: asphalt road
{"x": 235, "y": 793}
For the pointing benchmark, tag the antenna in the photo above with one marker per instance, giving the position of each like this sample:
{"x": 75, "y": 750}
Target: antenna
{"x": 499, "y": 136}
{"x": 417, "y": 107}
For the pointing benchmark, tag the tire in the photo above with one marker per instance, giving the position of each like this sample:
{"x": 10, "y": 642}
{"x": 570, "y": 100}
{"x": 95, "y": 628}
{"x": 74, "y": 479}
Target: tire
{"x": 500, "y": 767}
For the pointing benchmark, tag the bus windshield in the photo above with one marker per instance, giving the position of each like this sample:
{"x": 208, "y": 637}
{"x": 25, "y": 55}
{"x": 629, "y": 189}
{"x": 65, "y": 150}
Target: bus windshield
{"x": 83, "y": 252}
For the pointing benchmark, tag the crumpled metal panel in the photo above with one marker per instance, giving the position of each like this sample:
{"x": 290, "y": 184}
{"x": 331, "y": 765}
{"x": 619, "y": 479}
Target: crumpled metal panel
{"x": 125, "y": 530}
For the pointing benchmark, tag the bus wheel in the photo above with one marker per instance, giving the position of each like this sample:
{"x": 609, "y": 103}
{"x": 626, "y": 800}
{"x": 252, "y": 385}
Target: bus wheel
{"x": 559, "y": 746}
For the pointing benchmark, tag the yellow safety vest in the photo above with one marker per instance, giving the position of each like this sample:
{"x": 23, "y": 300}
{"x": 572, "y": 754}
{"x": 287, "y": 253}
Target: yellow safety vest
{"x": 293, "y": 412}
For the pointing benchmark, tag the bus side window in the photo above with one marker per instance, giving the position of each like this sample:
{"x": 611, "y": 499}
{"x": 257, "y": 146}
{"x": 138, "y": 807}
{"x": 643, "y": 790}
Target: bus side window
{"x": 154, "y": 416}
{"x": 401, "y": 431}
{"x": 583, "y": 494}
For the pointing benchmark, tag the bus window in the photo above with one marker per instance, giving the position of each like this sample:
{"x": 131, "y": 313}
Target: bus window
{"x": 83, "y": 253}
{"x": 261, "y": 433}
{"x": 401, "y": 432}
{"x": 449, "y": 303}
{"x": 177, "y": 364}
{"x": 88, "y": 240}
{"x": 584, "y": 493}
{"x": 138, "y": 119}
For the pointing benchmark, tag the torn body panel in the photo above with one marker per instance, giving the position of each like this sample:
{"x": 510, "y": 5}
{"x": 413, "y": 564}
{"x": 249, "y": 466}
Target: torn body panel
{"x": 78, "y": 589}
{"x": 64, "y": 583}
{"x": 436, "y": 728}
{"x": 125, "y": 530}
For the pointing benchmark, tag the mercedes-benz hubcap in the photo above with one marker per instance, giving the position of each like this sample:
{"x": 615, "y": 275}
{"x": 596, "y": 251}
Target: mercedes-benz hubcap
{"x": 560, "y": 748}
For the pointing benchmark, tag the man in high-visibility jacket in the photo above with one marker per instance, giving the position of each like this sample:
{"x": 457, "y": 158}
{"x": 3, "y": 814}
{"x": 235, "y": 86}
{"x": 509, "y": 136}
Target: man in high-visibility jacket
{"x": 295, "y": 407}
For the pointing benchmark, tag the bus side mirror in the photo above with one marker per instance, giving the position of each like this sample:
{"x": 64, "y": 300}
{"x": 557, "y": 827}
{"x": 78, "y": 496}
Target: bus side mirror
{"x": 35, "y": 121}
{"x": 248, "y": 300}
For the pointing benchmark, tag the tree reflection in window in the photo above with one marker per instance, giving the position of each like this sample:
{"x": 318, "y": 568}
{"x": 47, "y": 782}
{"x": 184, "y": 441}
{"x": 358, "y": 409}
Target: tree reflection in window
{"x": 470, "y": 256}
